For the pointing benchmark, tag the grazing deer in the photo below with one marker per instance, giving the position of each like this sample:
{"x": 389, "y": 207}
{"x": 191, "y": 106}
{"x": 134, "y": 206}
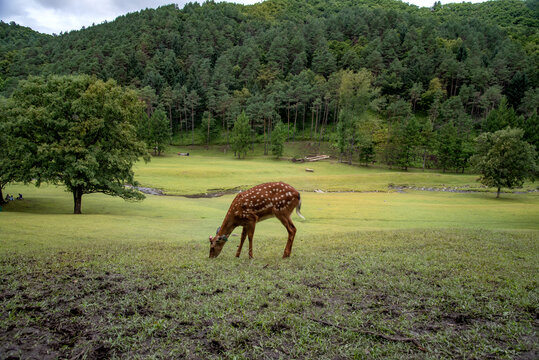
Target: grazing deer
{"x": 256, "y": 204}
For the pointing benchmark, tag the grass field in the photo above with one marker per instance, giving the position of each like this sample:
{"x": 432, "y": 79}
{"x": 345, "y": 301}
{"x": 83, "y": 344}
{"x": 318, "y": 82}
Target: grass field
{"x": 207, "y": 170}
{"x": 375, "y": 274}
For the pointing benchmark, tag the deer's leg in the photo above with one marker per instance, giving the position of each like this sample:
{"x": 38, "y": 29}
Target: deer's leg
{"x": 251, "y": 231}
{"x": 250, "y": 234}
{"x": 243, "y": 235}
{"x": 289, "y": 225}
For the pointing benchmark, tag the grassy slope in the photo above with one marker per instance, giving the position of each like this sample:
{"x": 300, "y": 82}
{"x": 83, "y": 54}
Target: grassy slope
{"x": 455, "y": 271}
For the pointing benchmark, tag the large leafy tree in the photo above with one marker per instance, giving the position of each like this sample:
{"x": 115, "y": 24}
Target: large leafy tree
{"x": 76, "y": 131}
{"x": 504, "y": 160}
{"x": 9, "y": 170}
{"x": 355, "y": 94}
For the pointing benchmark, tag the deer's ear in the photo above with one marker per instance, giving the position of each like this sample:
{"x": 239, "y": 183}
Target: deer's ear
{"x": 210, "y": 238}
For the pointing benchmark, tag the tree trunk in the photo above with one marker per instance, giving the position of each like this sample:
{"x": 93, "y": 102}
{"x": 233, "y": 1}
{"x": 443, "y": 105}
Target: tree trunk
{"x": 265, "y": 139}
{"x": 208, "y": 139}
{"x": 270, "y": 127}
{"x": 193, "y": 126}
{"x": 1, "y": 196}
{"x": 180, "y": 121}
{"x": 312, "y": 123}
{"x": 295, "y": 119}
{"x": 304, "y": 111}
{"x": 170, "y": 117}
{"x": 77, "y": 199}
{"x": 316, "y": 122}
{"x": 253, "y": 135}
{"x": 186, "y": 119}
{"x": 323, "y": 124}
{"x": 498, "y": 193}
{"x": 288, "y": 122}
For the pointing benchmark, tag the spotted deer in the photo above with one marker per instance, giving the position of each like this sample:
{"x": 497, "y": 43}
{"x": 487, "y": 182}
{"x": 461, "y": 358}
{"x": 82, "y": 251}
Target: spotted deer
{"x": 275, "y": 199}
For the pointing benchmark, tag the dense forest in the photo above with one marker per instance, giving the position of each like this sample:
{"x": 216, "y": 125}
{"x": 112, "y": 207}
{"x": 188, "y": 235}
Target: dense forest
{"x": 380, "y": 80}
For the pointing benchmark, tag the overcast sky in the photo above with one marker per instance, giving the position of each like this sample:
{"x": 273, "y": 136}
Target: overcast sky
{"x": 55, "y": 16}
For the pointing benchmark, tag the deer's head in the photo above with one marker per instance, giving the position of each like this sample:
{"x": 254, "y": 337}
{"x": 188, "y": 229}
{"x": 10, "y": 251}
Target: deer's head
{"x": 216, "y": 244}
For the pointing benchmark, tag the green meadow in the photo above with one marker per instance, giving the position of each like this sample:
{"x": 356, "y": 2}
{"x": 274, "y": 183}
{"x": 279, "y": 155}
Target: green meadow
{"x": 207, "y": 170}
{"x": 378, "y": 270}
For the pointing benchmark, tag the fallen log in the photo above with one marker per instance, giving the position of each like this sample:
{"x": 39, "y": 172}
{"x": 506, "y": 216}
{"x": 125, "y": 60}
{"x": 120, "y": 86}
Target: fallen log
{"x": 316, "y": 158}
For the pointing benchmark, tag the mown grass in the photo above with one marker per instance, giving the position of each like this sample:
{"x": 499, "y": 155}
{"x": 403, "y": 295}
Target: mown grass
{"x": 457, "y": 272}
{"x": 211, "y": 169}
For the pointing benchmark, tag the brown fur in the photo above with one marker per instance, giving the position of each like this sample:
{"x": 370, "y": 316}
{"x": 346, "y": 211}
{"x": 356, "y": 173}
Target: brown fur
{"x": 259, "y": 203}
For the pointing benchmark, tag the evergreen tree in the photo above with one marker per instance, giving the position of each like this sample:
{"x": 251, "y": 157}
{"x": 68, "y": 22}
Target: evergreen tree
{"x": 278, "y": 137}
{"x": 407, "y": 139}
{"x": 415, "y": 94}
{"x": 192, "y": 101}
{"x": 516, "y": 89}
{"x": 426, "y": 140}
{"x": 241, "y": 135}
{"x": 346, "y": 134}
{"x": 159, "y": 137}
{"x": 501, "y": 117}
{"x": 323, "y": 62}
{"x": 447, "y": 145}
{"x": 211, "y": 128}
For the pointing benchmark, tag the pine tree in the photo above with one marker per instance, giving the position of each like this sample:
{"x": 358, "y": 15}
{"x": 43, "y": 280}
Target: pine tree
{"x": 159, "y": 132}
{"x": 241, "y": 135}
{"x": 278, "y": 137}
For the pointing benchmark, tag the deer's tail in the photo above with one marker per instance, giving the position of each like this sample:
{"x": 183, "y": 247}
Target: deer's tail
{"x": 298, "y": 208}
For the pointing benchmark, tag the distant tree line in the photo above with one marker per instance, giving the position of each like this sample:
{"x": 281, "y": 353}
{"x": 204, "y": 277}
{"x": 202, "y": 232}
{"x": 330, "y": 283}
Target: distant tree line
{"x": 381, "y": 80}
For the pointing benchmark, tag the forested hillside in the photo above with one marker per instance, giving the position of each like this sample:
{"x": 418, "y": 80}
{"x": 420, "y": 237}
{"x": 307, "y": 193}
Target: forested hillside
{"x": 379, "y": 79}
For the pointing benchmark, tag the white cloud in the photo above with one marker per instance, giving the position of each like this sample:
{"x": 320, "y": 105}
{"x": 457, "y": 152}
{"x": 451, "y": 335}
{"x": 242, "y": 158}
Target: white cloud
{"x": 55, "y": 16}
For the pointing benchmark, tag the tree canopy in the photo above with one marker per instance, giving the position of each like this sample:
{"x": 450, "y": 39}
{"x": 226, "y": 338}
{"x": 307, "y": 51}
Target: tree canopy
{"x": 76, "y": 131}
{"x": 504, "y": 160}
